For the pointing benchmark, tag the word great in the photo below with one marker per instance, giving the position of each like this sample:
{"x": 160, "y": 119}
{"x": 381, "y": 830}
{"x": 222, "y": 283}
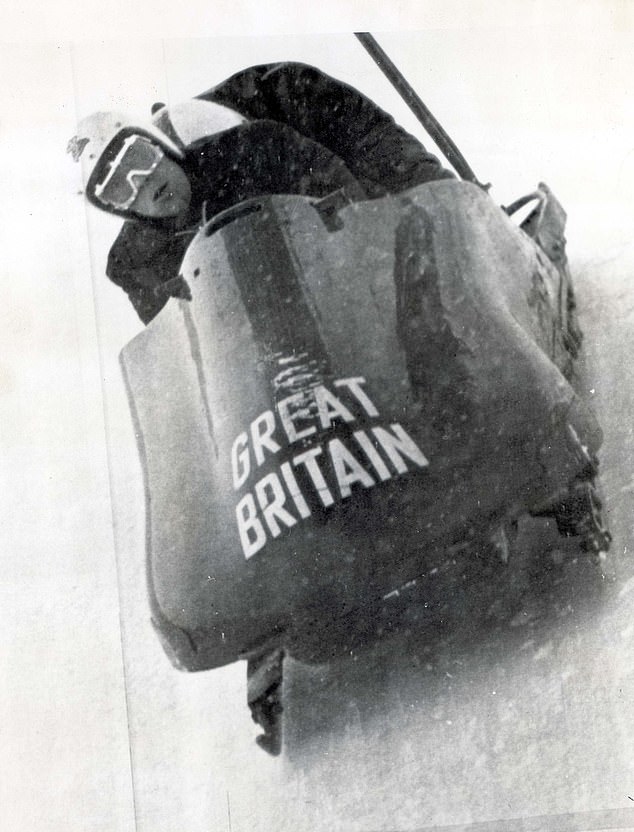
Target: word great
{"x": 328, "y": 471}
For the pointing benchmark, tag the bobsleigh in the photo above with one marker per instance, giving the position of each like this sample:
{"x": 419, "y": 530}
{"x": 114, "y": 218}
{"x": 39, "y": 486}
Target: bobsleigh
{"x": 354, "y": 391}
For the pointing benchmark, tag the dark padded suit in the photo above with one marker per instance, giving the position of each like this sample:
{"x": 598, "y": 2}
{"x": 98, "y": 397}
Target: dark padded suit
{"x": 307, "y": 133}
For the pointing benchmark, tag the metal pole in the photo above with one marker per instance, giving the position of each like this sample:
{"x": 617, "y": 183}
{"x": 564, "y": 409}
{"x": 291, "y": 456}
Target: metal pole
{"x": 426, "y": 118}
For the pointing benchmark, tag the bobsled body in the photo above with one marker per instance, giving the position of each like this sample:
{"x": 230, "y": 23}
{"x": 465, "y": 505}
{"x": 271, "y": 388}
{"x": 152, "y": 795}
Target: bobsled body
{"x": 348, "y": 395}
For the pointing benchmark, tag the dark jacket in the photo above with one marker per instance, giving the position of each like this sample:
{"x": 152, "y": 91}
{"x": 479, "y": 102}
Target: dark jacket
{"x": 379, "y": 153}
{"x": 307, "y": 134}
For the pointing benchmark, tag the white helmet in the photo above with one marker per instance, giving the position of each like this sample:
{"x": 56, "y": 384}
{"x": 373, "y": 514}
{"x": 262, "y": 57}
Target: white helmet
{"x": 194, "y": 119}
{"x": 102, "y": 137}
{"x": 98, "y": 130}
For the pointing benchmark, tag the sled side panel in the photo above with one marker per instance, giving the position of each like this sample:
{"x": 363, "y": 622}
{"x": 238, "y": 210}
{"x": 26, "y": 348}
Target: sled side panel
{"x": 180, "y": 423}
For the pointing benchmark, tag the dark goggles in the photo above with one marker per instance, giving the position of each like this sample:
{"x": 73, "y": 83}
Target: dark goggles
{"x": 137, "y": 159}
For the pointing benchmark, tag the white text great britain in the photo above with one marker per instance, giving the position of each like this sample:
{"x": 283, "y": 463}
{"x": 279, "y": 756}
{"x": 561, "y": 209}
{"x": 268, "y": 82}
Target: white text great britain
{"x": 328, "y": 471}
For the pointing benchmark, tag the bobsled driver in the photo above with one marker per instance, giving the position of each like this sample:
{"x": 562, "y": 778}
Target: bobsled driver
{"x": 282, "y": 128}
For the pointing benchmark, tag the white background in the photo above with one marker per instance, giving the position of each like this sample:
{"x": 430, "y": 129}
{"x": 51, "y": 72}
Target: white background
{"x": 528, "y": 92}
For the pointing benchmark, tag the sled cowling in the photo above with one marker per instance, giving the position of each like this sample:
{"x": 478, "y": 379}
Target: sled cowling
{"x": 339, "y": 405}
